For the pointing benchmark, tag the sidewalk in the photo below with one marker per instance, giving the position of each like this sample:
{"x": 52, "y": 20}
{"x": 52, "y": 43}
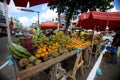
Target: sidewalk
{"x": 110, "y": 71}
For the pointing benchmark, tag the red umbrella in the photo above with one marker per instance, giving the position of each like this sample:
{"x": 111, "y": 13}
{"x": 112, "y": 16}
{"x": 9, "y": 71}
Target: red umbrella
{"x": 101, "y": 19}
{"x": 49, "y": 24}
{"x": 23, "y": 3}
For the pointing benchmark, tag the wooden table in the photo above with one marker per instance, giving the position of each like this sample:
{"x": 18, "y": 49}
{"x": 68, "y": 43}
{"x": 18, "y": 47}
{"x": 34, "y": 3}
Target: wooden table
{"x": 79, "y": 64}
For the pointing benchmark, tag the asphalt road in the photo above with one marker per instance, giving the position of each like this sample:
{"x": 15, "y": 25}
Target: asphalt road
{"x": 6, "y": 72}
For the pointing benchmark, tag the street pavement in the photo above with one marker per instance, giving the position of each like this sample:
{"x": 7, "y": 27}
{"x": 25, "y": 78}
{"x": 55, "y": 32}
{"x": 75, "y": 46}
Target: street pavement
{"x": 6, "y": 72}
{"x": 109, "y": 71}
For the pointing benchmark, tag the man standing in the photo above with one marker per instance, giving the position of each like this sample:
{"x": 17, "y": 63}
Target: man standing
{"x": 116, "y": 43}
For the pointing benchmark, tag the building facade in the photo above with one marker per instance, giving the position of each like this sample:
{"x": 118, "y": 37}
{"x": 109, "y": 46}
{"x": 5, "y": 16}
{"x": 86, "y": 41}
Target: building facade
{"x": 73, "y": 21}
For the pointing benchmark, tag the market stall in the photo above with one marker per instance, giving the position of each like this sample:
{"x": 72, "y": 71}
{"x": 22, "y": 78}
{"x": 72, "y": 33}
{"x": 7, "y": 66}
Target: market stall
{"x": 49, "y": 53}
{"x": 79, "y": 64}
{"x": 99, "y": 21}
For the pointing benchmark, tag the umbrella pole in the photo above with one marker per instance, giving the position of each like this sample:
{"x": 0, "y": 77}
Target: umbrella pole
{"x": 91, "y": 48}
{"x": 8, "y": 33}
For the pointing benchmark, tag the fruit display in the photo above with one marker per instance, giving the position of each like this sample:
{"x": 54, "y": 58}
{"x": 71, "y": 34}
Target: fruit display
{"x": 80, "y": 44}
{"x": 46, "y": 48}
{"x": 97, "y": 39}
{"x": 43, "y": 50}
{"x": 84, "y": 36}
{"x": 29, "y": 62}
{"x": 61, "y": 38}
{"x": 39, "y": 39}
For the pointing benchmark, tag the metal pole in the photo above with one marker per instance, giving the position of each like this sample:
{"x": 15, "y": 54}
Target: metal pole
{"x": 9, "y": 35}
{"x": 38, "y": 17}
{"x": 7, "y": 20}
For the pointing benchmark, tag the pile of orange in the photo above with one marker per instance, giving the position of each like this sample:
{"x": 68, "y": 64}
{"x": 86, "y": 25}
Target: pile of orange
{"x": 80, "y": 44}
{"x": 44, "y": 50}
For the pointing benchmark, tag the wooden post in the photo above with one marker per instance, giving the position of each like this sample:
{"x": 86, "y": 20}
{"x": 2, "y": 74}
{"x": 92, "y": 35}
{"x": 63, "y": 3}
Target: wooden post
{"x": 97, "y": 50}
{"x": 78, "y": 65}
{"x": 57, "y": 72}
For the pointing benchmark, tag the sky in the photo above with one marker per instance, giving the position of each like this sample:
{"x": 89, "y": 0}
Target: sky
{"x": 27, "y": 18}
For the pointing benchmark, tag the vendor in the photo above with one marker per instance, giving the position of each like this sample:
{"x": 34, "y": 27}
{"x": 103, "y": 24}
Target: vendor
{"x": 116, "y": 43}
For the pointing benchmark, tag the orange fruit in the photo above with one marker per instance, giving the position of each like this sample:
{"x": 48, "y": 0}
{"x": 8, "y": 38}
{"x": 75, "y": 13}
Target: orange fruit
{"x": 37, "y": 55}
{"x": 42, "y": 54}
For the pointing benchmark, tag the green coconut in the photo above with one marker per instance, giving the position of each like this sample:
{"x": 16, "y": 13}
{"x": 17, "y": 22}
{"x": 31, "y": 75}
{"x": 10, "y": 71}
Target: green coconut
{"x": 29, "y": 65}
{"x": 37, "y": 62}
{"x": 23, "y": 62}
{"x": 32, "y": 58}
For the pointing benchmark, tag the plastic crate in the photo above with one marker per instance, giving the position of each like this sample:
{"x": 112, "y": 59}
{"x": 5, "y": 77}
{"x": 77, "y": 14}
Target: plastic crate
{"x": 111, "y": 49}
{"x": 27, "y": 39}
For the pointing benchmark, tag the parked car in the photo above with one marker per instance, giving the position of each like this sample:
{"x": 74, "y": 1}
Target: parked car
{"x": 18, "y": 34}
{"x": 3, "y": 32}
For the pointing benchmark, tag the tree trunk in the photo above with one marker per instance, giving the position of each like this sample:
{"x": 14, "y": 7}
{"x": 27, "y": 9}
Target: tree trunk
{"x": 69, "y": 16}
{"x": 67, "y": 22}
{"x": 59, "y": 22}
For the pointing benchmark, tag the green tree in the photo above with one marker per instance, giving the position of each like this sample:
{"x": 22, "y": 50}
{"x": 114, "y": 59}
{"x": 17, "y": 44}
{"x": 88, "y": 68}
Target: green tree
{"x": 74, "y": 7}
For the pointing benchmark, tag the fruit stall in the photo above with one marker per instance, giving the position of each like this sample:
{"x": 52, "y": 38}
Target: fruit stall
{"x": 36, "y": 53}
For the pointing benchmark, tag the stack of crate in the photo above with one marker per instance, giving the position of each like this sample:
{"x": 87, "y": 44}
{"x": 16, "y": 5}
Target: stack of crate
{"x": 27, "y": 43}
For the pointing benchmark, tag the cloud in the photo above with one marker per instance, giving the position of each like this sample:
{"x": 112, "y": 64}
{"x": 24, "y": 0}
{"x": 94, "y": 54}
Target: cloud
{"x": 45, "y": 16}
{"x": 114, "y": 10}
{"x": 24, "y": 20}
{"x": 48, "y": 15}
{"x": 34, "y": 19}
